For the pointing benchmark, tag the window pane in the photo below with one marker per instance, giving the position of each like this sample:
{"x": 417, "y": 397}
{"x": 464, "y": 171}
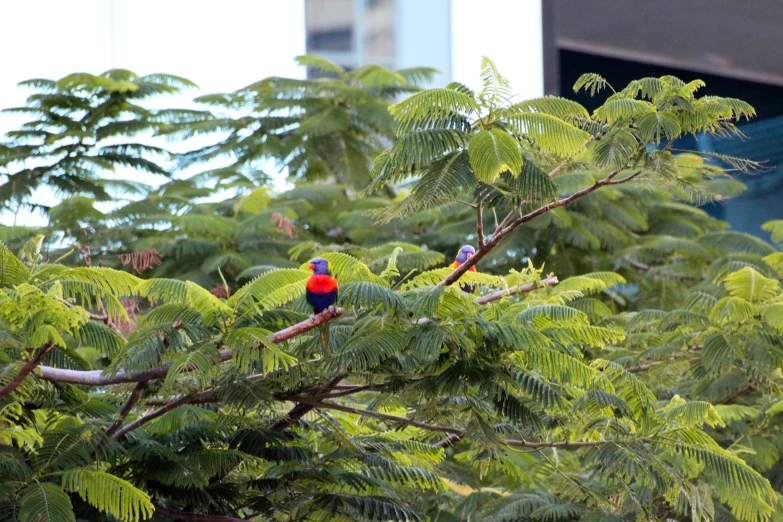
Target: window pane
{"x": 379, "y": 33}
{"x": 329, "y": 25}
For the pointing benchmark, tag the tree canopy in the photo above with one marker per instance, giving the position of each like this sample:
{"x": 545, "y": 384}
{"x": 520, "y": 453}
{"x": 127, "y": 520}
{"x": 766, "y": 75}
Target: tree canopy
{"x": 620, "y": 359}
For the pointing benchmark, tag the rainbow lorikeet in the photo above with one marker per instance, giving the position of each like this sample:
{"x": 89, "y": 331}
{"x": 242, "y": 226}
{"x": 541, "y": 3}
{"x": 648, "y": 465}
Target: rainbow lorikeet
{"x": 321, "y": 293}
{"x": 465, "y": 253}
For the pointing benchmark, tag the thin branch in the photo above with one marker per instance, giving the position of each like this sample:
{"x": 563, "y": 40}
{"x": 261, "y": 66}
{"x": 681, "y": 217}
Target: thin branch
{"x": 185, "y": 399}
{"x": 208, "y": 396}
{"x": 480, "y": 223}
{"x": 97, "y": 378}
{"x": 28, "y": 367}
{"x": 528, "y": 287}
{"x": 132, "y": 400}
{"x": 736, "y": 393}
{"x": 193, "y": 517}
{"x": 568, "y": 160}
{"x": 506, "y": 221}
{"x": 499, "y": 234}
{"x": 387, "y": 418}
{"x": 636, "y": 264}
{"x": 301, "y": 409}
{"x": 457, "y": 434}
{"x": 456, "y": 437}
{"x": 449, "y": 440}
{"x": 643, "y": 367}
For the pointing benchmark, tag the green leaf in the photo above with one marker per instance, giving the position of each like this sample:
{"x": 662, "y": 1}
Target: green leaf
{"x": 109, "y": 494}
{"x": 550, "y": 133}
{"x": 254, "y": 202}
{"x": 318, "y": 62}
{"x": 752, "y": 286}
{"x": 45, "y": 502}
{"x": 12, "y": 271}
{"x": 492, "y": 152}
{"x": 656, "y": 124}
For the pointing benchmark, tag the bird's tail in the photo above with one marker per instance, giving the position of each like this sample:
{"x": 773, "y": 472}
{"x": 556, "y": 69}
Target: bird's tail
{"x": 324, "y": 328}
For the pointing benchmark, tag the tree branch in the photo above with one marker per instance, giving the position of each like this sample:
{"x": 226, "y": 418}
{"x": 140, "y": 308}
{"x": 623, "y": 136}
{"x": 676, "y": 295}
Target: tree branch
{"x": 736, "y": 393}
{"x": 480, "y": 223}
{"x": 385, "y": 417}
{"x": 193, "y": 517}
{"x": 97, "y": 378}
{"x": 528, "y": 287}
{"x": 643, "y": 367}
{"x": 636, "y": 264}
{"x": 301, "y": 409}
{"x": 499, "y": 234}
{"x": 568, "y": 160}
{"x": 28, "y": 367}
{"x": 456, "y": 437}
{"x": 153, "y": 415}
{"x": 132, "y": 400}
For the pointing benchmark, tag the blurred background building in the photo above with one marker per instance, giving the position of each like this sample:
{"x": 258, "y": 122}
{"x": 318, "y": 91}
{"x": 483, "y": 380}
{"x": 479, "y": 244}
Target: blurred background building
{"x": 386, "y": 32}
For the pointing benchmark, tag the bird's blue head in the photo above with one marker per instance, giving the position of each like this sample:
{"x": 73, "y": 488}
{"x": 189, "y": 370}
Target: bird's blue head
{"x": 465, "y": 253}
{"x": 319, "y": 266}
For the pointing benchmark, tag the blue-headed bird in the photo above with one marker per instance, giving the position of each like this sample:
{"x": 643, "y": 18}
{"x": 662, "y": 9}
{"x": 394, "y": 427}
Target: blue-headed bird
{"x": 321, "y": 293}
{"x": 465, "y": 253}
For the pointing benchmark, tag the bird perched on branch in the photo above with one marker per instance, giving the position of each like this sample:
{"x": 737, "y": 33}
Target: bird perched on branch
{"x": 465, "y": 253}
{"x": 321, "y": 293}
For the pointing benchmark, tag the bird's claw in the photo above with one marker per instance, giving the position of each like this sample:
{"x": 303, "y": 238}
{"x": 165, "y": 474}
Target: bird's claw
{"x": 332, "y": 310}
{"x": 312, "y": 318}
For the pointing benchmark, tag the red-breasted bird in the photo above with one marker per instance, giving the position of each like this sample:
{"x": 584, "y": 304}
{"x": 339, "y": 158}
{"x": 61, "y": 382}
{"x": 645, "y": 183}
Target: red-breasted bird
{"x": 321, "y": 293}
{"x": 465, "y": 253}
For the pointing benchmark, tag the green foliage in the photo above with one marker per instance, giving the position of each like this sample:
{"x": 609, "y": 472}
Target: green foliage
{"x": 644, "y": 383}
{"x": 45, "y": 502}
{"x": 83, "y": 126}
{"x": 109, "y": 494}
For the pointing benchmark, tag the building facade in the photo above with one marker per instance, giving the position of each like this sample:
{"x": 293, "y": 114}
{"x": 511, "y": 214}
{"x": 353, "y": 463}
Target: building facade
{"x": 732, "y": 46}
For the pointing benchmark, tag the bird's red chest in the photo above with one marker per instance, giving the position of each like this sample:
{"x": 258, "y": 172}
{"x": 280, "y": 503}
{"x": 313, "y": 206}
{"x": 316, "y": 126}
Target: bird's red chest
{"x": 321, "y": 284}
{"x": 456, "y": 264}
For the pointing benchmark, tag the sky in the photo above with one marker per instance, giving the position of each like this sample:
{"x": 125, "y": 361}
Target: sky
{"x": 222, "y": 45}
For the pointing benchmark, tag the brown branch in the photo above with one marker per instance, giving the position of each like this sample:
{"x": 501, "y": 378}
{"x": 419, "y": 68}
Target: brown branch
{"x": 506, "y": 221}
{"x": 97, "y": 378}
{"x": 568, "y": 160}
{"x": 643, "y": 367}
{"x": 499, "y": 234}
{"x": 132, "y": 400}
{"x": 28, "y": 367}
{"x": 450, "y": 440}
{"x": 301, "y": 409}
{"x": 192, "y": 517}
{"x": 636, "y": 264}
{"x": 736, "y": 393}
{"x": 344, "y": 390}
{"x": 528, "y": 287}
{"x": 385, "y": 417}
{"x": 185, "y": 399}
{"x": 480, "y": 224}
{"x": 456, "y": 437}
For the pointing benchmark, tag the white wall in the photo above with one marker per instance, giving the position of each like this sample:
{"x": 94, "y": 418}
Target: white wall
{"x": 424, "y": 36}
{"x": 507, "y": 31}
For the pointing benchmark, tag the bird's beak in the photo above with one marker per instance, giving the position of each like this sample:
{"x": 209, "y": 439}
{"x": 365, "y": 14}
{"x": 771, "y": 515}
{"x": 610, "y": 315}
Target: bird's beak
{"x": 312, "y": 267}
{"x": 468, "y": 254}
